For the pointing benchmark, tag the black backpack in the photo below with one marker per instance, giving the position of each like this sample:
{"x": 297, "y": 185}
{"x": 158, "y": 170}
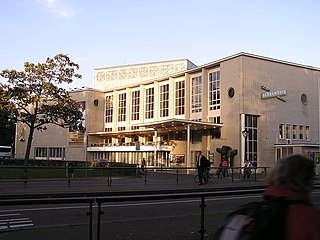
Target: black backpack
{"x": 265, "y": 220}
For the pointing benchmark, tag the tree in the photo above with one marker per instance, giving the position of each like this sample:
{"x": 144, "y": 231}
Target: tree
{"x": 7, "y": 121}
{"x": 37, "y": 97}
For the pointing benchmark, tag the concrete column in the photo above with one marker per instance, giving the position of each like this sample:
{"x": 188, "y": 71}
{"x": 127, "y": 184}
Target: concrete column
{"x": 188, "y": 148}
{"x": 155, "y": 149}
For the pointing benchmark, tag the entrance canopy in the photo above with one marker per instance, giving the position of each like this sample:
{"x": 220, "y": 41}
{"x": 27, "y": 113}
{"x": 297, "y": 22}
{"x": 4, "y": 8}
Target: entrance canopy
{"x": 169, "y": 125}
{"x": 179, "y": 125}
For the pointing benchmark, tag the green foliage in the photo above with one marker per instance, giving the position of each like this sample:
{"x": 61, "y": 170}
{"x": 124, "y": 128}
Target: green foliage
{"x": 35, "y": 98}
{"x": 7, "y": 120}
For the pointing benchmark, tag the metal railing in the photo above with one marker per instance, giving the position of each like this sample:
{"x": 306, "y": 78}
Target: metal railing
{"x": 109, "y": 172}
{"x": 125, "y": 197}
{"x": 134, "y": 197}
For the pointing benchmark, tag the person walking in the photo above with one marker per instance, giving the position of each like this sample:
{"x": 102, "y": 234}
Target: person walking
{"x": 202, "y": 164}
{"x": 292, "y": 180}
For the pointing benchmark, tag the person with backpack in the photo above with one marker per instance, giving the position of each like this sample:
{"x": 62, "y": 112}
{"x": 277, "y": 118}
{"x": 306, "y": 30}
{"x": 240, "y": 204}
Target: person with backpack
{"x": 291, "y": 180}
{"x": 286, "y": 213}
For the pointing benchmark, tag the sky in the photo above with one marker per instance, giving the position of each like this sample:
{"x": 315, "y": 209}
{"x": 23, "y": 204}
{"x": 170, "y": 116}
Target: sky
{"x": 105, "y": 33}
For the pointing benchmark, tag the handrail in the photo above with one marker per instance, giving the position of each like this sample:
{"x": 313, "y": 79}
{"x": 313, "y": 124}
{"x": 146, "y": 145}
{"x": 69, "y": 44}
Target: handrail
{"x": 109, "y": 170}
{"x": 201, "y": 195}
{"x": 135, "y": 196}
{"x": 163, "y": 196}
{"x": 34, "y": 201}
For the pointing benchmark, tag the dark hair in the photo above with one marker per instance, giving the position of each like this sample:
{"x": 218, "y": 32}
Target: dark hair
{"x": 294, "y": 172}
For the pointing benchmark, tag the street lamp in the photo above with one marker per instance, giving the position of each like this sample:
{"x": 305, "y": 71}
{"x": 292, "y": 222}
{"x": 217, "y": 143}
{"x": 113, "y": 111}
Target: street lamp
{"x": 245, "y": 133}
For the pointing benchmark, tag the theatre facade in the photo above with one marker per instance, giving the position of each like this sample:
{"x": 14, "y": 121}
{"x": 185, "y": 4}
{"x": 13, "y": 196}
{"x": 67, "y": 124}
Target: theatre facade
{"x": 167, "y": 111}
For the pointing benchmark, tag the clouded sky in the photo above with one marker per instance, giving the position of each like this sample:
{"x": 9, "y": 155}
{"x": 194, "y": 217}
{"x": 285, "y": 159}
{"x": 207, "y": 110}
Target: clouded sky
{"x": 104, "y": 33}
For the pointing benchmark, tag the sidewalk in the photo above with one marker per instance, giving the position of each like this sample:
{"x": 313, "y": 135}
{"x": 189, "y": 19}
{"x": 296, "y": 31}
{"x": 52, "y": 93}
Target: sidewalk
{"x": 155, "y": 181}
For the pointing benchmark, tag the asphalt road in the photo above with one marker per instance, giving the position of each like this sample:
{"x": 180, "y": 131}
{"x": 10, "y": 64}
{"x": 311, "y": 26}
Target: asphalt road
{"x": 165, "y": 219}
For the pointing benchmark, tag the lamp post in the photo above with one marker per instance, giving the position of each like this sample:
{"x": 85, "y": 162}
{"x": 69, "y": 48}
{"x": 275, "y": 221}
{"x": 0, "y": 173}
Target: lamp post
{"x": 155, "y": 150}
{"x": 244, "y": 135}
{"x": 188, "y": 149}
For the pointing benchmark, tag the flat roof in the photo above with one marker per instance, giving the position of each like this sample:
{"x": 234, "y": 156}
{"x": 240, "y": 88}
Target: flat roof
{"x": 146, "y": 63}
{"x": 253, "y": 56}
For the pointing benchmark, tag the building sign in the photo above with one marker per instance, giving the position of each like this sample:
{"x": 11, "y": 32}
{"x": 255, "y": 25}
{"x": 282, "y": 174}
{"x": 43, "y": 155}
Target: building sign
{"x": 273, "y": 94}
{"x": 76, "y": 139}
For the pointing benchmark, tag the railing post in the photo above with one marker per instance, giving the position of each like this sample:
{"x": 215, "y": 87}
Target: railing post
{"x": 232, "y": 173}
{"x": 90, "y": 221}
{"x": 99, "y": 220}
{"x": 69, "y": 180}
{"x": 70, "y": 173}
{"x": 255, "y": 174}
{"x": 25, "y": 175}
{"x": 202, "y": 230}
{"x": 109, "y": 177}
{"x": 177, "y": 179}
{"x": 145, "y": 176}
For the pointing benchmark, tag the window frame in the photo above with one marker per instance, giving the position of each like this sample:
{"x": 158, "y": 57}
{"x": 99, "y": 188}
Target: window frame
{"x": 179, "y": 91}
{"x": 109, "y": 109}
{"x": 122, "y": 106}
{"x": 214, "y": 90}
{"x": 135, "y": 105}
{"x": 196, "y": 94}
{"x": 149, "y": 102}
{"x": 164, "y": 91}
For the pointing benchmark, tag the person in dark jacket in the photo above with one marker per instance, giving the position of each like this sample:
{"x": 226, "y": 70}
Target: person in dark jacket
{"x": 292, "y": 180}
{"x": 202, "y": 164}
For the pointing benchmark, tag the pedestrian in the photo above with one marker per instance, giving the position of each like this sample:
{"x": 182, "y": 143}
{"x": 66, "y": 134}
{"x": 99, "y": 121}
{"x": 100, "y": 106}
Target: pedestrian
{"x": 224, "y": 167}
{"x": 202, "y": 165}
{"x": 292, "y": 180}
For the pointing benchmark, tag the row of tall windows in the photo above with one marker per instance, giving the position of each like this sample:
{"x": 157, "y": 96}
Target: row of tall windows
{"x": 164, "y": 90}
{"x": 294, "y": 131}
{"x": 49, "y": 153}
{"x": 162, "y": 158}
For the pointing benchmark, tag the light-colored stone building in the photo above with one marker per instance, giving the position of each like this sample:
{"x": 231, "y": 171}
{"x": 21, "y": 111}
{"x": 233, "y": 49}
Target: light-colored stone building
{"x": 166, "y": 111}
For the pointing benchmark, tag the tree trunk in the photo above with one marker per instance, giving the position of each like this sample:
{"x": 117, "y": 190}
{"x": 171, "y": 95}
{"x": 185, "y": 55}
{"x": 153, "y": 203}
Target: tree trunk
{"x": 29, "y": 143}
{"x": 27, "y": 153}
